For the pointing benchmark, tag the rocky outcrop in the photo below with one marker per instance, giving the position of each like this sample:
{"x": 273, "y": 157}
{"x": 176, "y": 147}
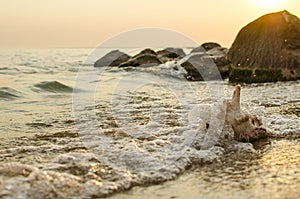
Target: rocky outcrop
{"x": 267, "y": 50}
{"x": 145, "y": 58}
{"x": 202, "y": 64}
{"x": 170, "y": 54}
{"x": 113, "y": 58}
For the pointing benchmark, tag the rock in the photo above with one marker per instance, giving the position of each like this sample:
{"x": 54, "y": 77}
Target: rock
{"x": 200, "y": 67}
{"x": 246, "y": 127}
{"x": 170, "y": 54}
{"x": 210, "y": 45}
{"x": 147, "y": 57}
{"x": 113, "y": 58}
{"x": 219, "y": 56}
{"x": 215, "y": 57}
{"x": 206, "y": 47}
{"x": 267, "y": 50}
{"x": 199, "y": 49}
{"x": 218, "y": 51}
{"x": 146, "y": 51}
{"x": 142, "y": 60}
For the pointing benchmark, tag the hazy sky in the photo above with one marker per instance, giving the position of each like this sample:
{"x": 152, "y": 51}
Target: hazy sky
{"x": 87, "y": 23}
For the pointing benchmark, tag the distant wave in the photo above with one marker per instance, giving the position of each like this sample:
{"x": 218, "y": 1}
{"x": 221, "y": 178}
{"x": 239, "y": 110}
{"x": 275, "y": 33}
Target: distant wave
{"x": 54, "y": 86}
{"x": 9, "y": 70}
{"x": 4, "y": 68}
{"x": 7, "y": 93}
{"x": 39, "y": 125}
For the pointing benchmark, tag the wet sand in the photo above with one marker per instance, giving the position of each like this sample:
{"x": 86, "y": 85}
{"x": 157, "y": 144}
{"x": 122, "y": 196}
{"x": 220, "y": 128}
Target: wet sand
{"x": 272, "y": 172}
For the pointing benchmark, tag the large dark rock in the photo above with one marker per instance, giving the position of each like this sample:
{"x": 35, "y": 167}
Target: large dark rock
{"x": 218, "y": 51}
{"x": 219, "y": 56}
{"x": 267, "y": 50}
{"x": 210, "y": 45}
{"x": 145, "y": 58}
{"x": 200, "y": 67}
{"x": 146, "y": 51}
{"x": 210, "y": 63}
{"x": 206, "y": 47}
{"x": 113, "y": 58}
{"x": 170, "y": 54}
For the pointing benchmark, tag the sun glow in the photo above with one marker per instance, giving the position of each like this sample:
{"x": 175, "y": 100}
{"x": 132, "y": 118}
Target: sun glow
{"x": 270, "y": 3}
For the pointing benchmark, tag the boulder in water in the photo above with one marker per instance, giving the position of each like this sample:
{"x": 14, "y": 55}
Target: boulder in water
{"x": 146, "y": 51}
{"x": 209, "y": 63}
{"x": 113, "y": 58}
{"x": 267, "y": 50}
{"x": 200, "y": 67}
{"x": 206, "y": 47}
{"x": 210, "y": 45}
{"x": 170, "y": 54}
{"x": 219, "y": 56}
{"x": 146, "y": 57}
{"x": 142, "y": 60}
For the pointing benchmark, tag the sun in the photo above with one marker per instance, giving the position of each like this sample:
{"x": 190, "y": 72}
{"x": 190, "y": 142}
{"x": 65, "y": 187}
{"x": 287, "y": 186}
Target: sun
{"x": 270, "y": 3}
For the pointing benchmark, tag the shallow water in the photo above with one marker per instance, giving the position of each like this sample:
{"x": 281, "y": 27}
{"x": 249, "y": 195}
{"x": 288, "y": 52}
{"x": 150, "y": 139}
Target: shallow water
{"x": 69, "y": 130}
{"x": 274, "y": 172}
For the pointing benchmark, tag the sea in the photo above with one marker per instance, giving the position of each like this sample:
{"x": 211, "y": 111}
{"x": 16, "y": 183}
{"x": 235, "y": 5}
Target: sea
{"x": 70, "y": 130}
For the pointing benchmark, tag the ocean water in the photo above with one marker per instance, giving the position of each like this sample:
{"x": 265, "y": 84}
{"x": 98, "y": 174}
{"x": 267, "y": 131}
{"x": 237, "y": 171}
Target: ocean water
{"x": 69, "y": 130}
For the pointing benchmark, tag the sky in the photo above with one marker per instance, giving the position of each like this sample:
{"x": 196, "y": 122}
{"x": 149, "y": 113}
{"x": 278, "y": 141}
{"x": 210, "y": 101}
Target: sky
{"x": 88, "y": 23}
